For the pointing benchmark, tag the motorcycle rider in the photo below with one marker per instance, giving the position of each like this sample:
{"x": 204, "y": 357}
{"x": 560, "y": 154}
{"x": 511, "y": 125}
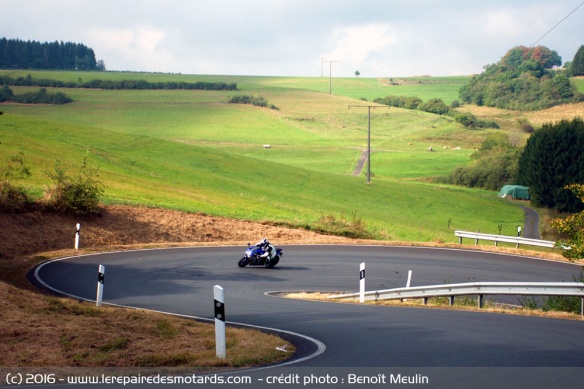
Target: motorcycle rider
{"x": 269, "y": 249}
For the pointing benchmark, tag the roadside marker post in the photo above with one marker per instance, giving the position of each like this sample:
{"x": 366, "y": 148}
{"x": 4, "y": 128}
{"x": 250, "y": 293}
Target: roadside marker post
{"x": 219, "y": 300}
{"x": 362, "y": 283}
{"x": 100, "y": 281}
{"x": 77, "y": 233}
{"x": 409, "y": 282}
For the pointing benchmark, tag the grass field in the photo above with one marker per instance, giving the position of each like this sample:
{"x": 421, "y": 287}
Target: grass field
{"x": 190, "y": 150}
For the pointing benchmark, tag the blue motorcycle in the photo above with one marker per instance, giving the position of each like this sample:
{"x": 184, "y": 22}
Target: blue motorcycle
{"x": 253, "y": 257}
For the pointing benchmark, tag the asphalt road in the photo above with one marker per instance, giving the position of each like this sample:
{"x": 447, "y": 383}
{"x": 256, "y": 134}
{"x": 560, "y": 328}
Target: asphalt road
{"x": 450, "y": 348}
{"x": 531, "y": 224}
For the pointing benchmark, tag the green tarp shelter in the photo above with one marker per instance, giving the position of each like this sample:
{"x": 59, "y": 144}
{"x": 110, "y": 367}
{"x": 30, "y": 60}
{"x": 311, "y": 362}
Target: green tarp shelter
{"x": 516, "y": 192}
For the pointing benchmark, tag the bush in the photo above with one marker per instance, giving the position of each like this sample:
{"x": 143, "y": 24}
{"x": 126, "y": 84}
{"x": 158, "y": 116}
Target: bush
{"x": 525, "y": 126}
{"x": 436, "y": 106}
{"x": 79, "y": 195}
{"x": 400, "y": 101}
{"x": 492, "y": 166}
{"x": 556, "y": 303}
{"x": 5, "y": 93}
{"x": 13, "y": 198}
{"x": 258, "y": 101}
{"x": 42, "y": 97}
{"x": 467, "y": 119}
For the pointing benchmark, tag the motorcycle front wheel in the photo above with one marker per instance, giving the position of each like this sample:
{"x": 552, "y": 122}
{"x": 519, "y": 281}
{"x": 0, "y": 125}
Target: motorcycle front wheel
{"x": 243, "y": 262}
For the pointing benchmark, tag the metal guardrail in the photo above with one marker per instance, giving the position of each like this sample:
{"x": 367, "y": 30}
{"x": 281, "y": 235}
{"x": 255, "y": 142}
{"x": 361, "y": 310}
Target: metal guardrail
{"x": 476, "y": 288}
{"x": 503, "y": 238}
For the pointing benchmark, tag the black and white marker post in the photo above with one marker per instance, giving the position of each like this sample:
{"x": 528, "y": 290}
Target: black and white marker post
{"x": 77, "y": 231}
{"x": 362, "y": 283}
{"x": 219, "y": 297}
{"x": 100, "y": 280}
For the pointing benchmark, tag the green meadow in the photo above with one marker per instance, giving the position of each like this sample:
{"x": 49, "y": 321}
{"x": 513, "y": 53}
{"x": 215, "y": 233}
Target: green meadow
{"x": 192, "y": 151}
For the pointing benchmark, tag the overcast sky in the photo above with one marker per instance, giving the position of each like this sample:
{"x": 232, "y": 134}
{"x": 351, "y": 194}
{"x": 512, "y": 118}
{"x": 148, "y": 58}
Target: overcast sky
{"x": 379, "y": 38}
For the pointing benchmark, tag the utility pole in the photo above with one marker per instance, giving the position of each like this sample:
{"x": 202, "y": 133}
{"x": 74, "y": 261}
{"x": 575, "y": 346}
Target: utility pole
{"x": 330, "y": 75}
{"x": 368, "y": 135}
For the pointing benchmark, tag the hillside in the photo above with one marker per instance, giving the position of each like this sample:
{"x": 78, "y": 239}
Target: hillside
{"x": 194, "y": 152}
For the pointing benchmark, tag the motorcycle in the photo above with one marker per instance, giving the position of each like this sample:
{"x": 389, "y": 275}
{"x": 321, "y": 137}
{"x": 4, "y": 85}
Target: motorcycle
{"x": 253, "y": 257}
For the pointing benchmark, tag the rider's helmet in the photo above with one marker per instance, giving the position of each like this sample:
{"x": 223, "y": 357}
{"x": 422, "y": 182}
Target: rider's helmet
{"x": 264, "y": 242}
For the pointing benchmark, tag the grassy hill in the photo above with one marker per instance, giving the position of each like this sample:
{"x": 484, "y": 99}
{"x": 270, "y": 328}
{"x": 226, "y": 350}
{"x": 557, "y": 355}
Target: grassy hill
{"x": 191, "y": 150}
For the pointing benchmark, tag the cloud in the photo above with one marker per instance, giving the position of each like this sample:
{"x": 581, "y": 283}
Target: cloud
{"x": 288, "y": 37}
{"x": 140, "y": 47}
{"x": 358, "y": 43}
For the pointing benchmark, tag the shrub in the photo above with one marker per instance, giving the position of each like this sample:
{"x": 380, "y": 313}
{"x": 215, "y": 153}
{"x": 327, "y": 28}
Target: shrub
{"x": 79, "y": 195}
{"x": 467, "y": 119}
{"x": 556, "y": 303}
{"x": 42, "y": 97}
{"x": 525, "y": 126}
{"x": 258, "y": 101}
{"x": 13, "y": 198}
{"x": 436, "y": 106}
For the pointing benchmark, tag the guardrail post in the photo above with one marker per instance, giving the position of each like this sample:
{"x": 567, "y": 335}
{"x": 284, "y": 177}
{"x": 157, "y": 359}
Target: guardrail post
{"x": 582, "y": 306}
{"x": 480, "y": 300}
{"x": 451, "y": 300}
{"x": 362, "y": 283}
{"x": 220, "y": 345}
{"x": 100, "y": 281}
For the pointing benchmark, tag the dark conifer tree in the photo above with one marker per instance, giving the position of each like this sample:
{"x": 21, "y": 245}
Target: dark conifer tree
{"x": 18, "y": 54}
{"x": 553, "y": 158}
{"x": 577, "y": 66}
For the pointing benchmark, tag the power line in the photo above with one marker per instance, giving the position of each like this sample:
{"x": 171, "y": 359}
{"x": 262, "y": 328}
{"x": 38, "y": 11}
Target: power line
{"x": 560, "y": 22}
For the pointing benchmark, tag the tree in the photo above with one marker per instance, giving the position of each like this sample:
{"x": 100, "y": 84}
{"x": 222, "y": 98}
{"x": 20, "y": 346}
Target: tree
{"x": 573, "y": 227}
{"x": 552, "y": 159}
{"x": 5, "y": 93}
{"x": 18, "y": 54}
{"x": 100, "y": 65}
{"x": 577, "y": 65}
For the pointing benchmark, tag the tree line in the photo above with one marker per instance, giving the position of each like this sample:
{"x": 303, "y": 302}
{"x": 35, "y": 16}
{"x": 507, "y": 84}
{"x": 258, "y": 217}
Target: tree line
{"x": 115, "y": 84}
{"x": 19, "y": 54}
